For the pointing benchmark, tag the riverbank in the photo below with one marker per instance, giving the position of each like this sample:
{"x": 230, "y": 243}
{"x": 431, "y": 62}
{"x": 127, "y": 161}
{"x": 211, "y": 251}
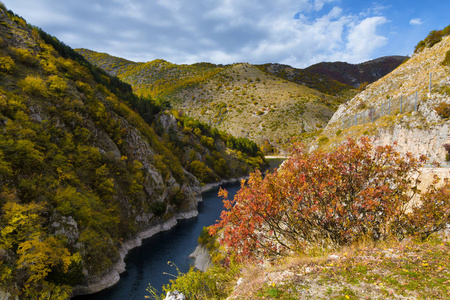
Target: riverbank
{"x": 275, "y": 157}
{"x": 113, "y": 276}
{"x": 210, "y": 186}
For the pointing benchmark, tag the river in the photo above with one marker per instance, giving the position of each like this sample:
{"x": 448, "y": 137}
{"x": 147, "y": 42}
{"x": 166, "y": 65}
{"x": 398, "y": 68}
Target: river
{"x": 148, "y": 264}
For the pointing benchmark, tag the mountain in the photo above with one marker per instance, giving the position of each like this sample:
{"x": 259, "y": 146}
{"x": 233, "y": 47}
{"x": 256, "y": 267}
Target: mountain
{"x": 267, "y": 103}
{"x": 322, "y": 83}
{"x": 356, "y": 74}
{"x": 409, "y": 106}
{"x": 88, "y": 169}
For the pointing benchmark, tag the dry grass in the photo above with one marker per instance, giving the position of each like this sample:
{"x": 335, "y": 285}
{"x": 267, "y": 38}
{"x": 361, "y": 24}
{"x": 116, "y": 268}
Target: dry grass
{"x": 410, "y": 269}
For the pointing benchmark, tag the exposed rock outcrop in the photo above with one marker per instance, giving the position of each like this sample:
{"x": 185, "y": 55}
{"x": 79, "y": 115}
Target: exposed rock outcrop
{"x": 397, "y": 116}
{"x": 202, "y": 259}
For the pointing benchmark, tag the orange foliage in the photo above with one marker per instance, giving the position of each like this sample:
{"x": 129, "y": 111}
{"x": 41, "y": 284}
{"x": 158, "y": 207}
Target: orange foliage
{"x": 355, "y": 192}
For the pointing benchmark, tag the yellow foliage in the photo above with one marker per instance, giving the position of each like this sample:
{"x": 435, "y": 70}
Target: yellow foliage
{"x": 38, "y": 257}
{"x": 49, "y": 67}
{"x": 6, "y": 64}
{"x": 33, "y": 85}
{"x": 24, "y": 56}
{"x": 57, "y": 85}
{"x": 20, "y": 223}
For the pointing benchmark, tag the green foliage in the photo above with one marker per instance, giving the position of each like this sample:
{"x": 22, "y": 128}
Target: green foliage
{"x": 20, "y": 223}
{"x": 215, "y": 283}
{"x": 310, "y": 79}
{"x": 446, "y": 61}
{"x": 98, "y": 249}
{"x": 323, "y": 140}
{"x": 433, "y": 38}
{"x": 158, "y": 208}
{"x": 207, "y": 142}
{"x": 244, "y": 145}
{"x": 201, "y": 171}
{"x": 71, "y": 176}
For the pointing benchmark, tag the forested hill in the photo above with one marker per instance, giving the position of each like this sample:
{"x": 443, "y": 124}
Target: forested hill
{"x": 81, "y": 172}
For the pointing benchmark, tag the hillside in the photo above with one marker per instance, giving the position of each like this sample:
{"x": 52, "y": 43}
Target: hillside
{"x": 356, "y": 74}
{"x": 263, "y": 103}
{"x": 400, "y": 107}
{"x": 84, "y": 177}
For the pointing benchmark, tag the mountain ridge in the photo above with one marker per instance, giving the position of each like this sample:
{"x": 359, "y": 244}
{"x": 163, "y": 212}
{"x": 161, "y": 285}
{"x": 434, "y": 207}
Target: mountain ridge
{"x": 357, "y": 74}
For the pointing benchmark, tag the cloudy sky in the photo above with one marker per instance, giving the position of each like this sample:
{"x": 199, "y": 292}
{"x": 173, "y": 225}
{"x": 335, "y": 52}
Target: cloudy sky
{"x": 295, "y": 32}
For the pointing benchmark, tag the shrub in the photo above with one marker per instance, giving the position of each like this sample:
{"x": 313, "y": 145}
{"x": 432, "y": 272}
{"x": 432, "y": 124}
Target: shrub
{"x": 33, "y": 86}
{"x": 216, "y": 283}
{"x": 56, "y": 85}
{"x": 323, "y": 140}
{"x": 201, "y": 171}
{"x": 355, "y": 192}
{"x": 433, "y": 38}
{"x": 158, "y": 208}
{"x": 6, "y": 64}
{"x": 25, "y": 57}
{"x": 443, "y": 110}
{"x": 447, "y": 148}
{"x": 446, "y": 61}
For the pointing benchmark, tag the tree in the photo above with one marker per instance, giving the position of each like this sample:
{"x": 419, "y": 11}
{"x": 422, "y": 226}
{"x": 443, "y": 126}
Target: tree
{"x": 38, "y": 257}
{"x": 340, "y": 197}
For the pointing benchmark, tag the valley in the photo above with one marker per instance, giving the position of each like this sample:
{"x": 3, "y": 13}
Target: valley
{"x": 99, "y": 153}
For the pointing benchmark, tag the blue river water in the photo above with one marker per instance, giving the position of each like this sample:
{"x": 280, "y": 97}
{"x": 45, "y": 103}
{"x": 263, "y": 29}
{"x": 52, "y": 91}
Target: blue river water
{"x": 148, "y": 264}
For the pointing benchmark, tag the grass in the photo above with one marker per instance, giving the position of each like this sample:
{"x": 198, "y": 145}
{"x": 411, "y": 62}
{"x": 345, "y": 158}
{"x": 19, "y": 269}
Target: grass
{"x": 410, "y": 269}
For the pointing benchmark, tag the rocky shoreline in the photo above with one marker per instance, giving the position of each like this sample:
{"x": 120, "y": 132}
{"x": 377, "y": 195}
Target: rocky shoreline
{"x": 210, "y": 186}
{"x": 113, "y": 276}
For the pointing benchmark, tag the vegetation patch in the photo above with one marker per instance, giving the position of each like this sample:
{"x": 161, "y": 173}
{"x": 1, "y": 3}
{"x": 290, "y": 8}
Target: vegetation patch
{"x": 432, "y": 39}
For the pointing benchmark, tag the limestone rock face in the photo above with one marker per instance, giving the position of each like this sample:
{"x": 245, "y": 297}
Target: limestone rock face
{"x": 400, "y": 107}
{"x": 202, "y": 258}
{"x": 175, "y": 295}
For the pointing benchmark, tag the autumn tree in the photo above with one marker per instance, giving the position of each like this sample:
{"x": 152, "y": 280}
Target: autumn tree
{"x": 339, "y": 197}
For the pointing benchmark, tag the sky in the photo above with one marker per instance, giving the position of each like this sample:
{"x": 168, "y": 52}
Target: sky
{"x": 294, "y": 32}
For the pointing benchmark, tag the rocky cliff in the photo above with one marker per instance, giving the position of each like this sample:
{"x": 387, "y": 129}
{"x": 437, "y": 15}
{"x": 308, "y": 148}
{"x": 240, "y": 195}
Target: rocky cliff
{"x": 402, "y": 107}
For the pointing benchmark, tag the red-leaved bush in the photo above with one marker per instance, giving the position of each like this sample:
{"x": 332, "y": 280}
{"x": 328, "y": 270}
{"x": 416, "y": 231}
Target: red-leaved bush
{"x": 354, "y": 192}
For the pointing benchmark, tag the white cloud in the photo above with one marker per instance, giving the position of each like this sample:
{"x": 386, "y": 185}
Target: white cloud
{"x": 416, "y": 21}
{"x": 225, "y": 31}
{"x": 363, "y": 39}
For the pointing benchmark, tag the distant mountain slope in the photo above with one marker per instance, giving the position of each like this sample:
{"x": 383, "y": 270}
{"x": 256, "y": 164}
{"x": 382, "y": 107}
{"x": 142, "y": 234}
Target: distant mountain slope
{"x": 355, "y": 74}
{"x": 400, "y": 107}
{"x": 156, "y": 78}
{"x": 316, "y": 81}
{"x": 241, "y": 99}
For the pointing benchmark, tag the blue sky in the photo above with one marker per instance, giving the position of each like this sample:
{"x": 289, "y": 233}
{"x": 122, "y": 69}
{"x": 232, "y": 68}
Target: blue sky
{"x": 295, "y": 32}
